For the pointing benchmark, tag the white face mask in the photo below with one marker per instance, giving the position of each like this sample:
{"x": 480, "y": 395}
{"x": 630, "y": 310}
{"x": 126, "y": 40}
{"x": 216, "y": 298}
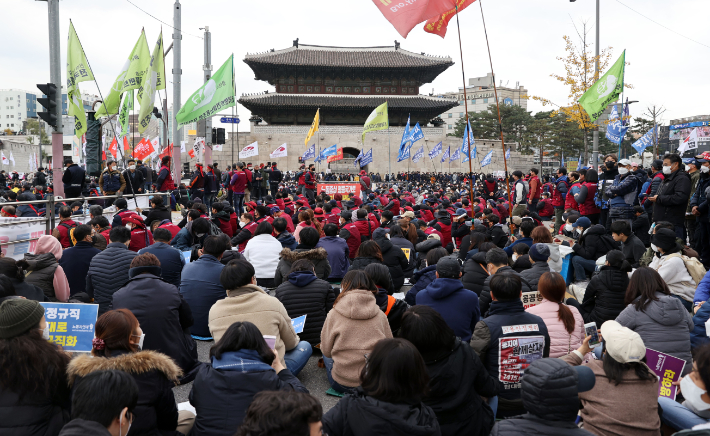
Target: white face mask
{"x": 120, "y": 424}
{"x": 687, "y": 168}
{"x": 693, "y": 394}
{"x": 569, "y": 227}
{"x": 666, "y": 169}
{"x": 623, "y": 170}
{"x": 579, "y": 231}
{"x": 131, "y": 167}
{"x": 654, "y": 248}
{"x": 45, "y": 334}
{"x": 515, "y": 257}
{"x": 140, "y": 341}
{"x": 704, "y": 169}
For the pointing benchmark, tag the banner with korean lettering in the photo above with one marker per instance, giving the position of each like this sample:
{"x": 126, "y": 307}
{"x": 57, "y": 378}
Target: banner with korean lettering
{"x": 668, "y": 369}
{"x": 339, "y": 188}
{"x": 71, "y": 325}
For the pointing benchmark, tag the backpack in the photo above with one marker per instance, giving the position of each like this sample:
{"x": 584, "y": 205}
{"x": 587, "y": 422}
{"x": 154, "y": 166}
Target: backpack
{"x": 694, "y": 267}
{"x": 70, "y": 229}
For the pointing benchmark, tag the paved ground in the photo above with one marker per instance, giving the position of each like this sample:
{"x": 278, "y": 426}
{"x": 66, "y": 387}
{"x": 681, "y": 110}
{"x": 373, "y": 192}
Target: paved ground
{"x": 312, "y": 377}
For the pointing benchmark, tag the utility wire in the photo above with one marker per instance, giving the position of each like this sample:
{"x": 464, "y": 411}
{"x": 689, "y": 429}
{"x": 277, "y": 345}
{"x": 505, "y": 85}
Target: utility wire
{"x": 158, "y": 19}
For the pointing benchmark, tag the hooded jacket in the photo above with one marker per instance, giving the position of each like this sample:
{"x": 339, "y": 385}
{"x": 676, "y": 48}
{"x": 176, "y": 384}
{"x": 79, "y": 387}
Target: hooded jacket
{"x": 361, "y": 415}
{"x": 532, "y": 275}
{"x": 287, "y": 240}
{"x": 155, "y": 373}
{"x": 338, "y": 255}
{"x": 108, "y": 272}
{"x": 421, "y": 280}
{"x": 262, "y": 252}
{"x": 350, "y": 331}
{"x": 664, "y": 326}
{"x": 305, "y": 294}
{"x": 392, "y": 257}
{"x": 475, "y": 273}
{"x": 457, "y": 305}
{"x": 408, "y": 249}
{"x": 318, "y": 256}
{"x": 605, "y": 296}
{"x": 594, "y": 243}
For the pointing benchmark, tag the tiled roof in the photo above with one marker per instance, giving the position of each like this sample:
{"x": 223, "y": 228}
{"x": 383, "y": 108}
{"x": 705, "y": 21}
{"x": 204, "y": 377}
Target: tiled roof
{"x": 314, "y": 101}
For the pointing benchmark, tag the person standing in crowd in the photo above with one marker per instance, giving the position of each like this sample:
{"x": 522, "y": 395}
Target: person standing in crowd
{"x": 669, "y": 203}
{"x": 147, "y": 175}
{"x": 310, "y": 180}
{"x": 559, "y": 195}
{"x": 171, "y": 260}
{"x": 238, "y": 184}
{"x": 197, "y": 182}
{"x": 693, "y": 170}
{"x": 75, "y": 261}
{"x": 520, "y": 194}
{"x": 699, "y": 207}
{"x": 535, "y": 188}
{"x": 623, "y": 194}
{"x": 164, "y": 181}
{"x": 585, "y": 196}
{"x": 40, "y": 178}
{"x": 111, "y": 181}
{"x": 134, "y": 179}
{"x": 74, "y": 178}
{"x": 275, "y": 179}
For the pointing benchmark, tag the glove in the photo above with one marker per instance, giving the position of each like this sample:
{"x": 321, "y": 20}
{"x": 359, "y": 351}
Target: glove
{"x": 119, "y": 194}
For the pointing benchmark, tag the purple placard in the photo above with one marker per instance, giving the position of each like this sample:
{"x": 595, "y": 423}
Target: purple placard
{"x": 668, "y": 369}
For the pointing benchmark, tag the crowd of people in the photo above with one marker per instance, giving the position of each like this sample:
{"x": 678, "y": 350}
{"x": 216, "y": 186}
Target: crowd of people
{"x": 432, "y": 309}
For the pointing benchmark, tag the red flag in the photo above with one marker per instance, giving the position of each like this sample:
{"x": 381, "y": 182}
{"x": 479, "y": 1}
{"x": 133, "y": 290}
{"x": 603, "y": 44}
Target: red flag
{"x": 405, "y": 14}
{"x": 113, "y": 148}
{"x": 191, "y": 153}
{"x": 143, "y": 149}
{"x": 103, "y": 155}
{"x": 337, "y": 156}
{"x": 126, "y": 145}
{"x": 167, "y": 152}
{"x": 439, "y": 24}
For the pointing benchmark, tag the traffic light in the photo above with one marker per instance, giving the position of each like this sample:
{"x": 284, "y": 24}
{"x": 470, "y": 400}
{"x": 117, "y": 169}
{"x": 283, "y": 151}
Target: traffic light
{"x": 214, "y": 136}
{"x": 220, "y": 136}
{"x": 49, "y": 103}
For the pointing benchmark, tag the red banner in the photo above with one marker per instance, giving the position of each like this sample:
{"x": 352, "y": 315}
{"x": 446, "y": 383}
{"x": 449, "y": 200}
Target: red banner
{"x": 143, "y": 149}
{"x": 336, "y": 156}
{"x": 113, "y": 148}
{"x": 339, "y": 188}
{"x": 126, "y": 145}
{"x": 439, "y": 24}
{"x": 405, "y": 14}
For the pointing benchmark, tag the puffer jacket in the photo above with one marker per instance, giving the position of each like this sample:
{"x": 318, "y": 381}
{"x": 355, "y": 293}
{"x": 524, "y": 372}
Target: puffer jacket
{"x": 41, "y": 272}
{"x": 485, "y": 297}
{"x": 455, "y": 303}
{"x": 425, "y": 246}
{"x": 664, "y": 326}
{"x": 475, "y": 273}
{"x": 394, "y": 315}
{"x": 392, "y": 257}
{"x": 672, "y": 198}
{"x": 549, "y": 393}
{"x": 318, "y": 256}
{"x": 605, "y": 294}
{"x": 362, "y": 262}
{"x": 421, "y": 279}
{"x": 595, "y": 243}
{"x": 623, "y": 196}
{"x": 361, "y": 415}
{"x": 699, "y": 336}
{"x": 305, "y": 294}
{"x": 532, "y": 275}
{"x": 108, "y": 272}
{"x": 36, "y": 414}
{"x": 561, "y": 342}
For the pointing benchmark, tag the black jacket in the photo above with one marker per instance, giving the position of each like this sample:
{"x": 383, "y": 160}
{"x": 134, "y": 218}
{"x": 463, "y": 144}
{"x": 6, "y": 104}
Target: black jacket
{"x": 457, "y": 382}
{"x": 75, "y": 262}
{"x": 74, "y": 178}
{"x": 171, "y": 261}
{"x": 498, "y": 236}
{"x": 595, "y": 243}
{"x": 425, "y": 246}
{"x": 166, "y": 325}
{"x": 362, "y": 262}
{"x": 605, "y": 294}
{"x": 475, "y": 273}
{"x": 134, "y": 181}
{"x": 108, "y": 273}
{"x": 35, "y": 414}
{"x": 80, "y": 427}
{"x": 672, "y": 198}
{"x": 155, "y": 374}
{"x": 404, "y": 244}
{"x": 28, "y": 290}
{"x": 40, "y": 179}
{"x": 156, "y": 214}
{"x": 392, "y": 257}
{"x": 485, "y": 297}
{"x": 275, "y": 176}
{"x": 533, "y": 274}
{"x": 641, "y": 226}
{"x": 360, "y": 415}
{"x": 318, "y": 256}
{"x": 304, "y": 294}
{"x": 394, "y": 317}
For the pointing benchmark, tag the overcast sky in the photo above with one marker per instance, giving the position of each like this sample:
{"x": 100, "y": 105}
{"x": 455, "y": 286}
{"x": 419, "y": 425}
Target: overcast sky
{"x": 526, "y": 38}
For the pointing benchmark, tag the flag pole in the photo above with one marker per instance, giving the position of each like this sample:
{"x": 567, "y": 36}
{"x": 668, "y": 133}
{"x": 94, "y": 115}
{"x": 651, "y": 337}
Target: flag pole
{"x": 465, "y": 102}
{"x": 500, "y": 123}
{"x": 389, "y": 151}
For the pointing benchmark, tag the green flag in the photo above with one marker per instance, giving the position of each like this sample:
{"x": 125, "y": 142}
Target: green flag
{"x": 378, "y": 120}
{"x": 153, "y": 79}
{"x": 129, "y": 78}
{"x": 78, "y": 70}
{"x": 212, "y": 97}
{"x": 125, "y": 112}
{"x": 605, "y": 90}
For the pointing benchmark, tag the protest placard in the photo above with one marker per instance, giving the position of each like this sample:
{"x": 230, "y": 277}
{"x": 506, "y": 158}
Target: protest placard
{"x": 71, "y": 325}
{"x": 299, "y": 323}
{"x": 531, "y": 299}
{"x": 668, "y": 369}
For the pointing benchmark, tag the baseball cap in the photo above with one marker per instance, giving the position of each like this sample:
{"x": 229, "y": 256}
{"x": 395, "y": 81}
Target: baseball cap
{"x": 582, "y": 221}
{"x": 275, "y": 209}
{"x": 347, "y": 214}
{"x": 448, "y": 267}
{"x": 517, "y": 220}
{"x": 461, "y": 212}
{"x": 703, "y": 157}
{"x": 408, "y": 214}
{"x": 624, "y": 162}
{"x": 621, "y": 343}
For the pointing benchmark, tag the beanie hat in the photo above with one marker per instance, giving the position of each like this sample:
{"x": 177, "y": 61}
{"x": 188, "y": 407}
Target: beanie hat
{"x": 664, "y": 238}
{"x": 18, "y": 315}
{"x": 539, "y": 252}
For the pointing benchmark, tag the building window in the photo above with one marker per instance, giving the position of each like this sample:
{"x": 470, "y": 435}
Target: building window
{"x": 485, "y": 100}
{"x": 451, "y": 115}
{"x": 473, "y": 101}
{"x": 461, "y": 103}
{"x": 451, "y": 127}
{"x": 290, "y": 88}
{"x": 460, "y": 114}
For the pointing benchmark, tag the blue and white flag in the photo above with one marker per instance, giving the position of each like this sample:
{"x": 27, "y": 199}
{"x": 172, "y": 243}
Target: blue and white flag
{"x": 366, "y": 159}
{"x": 486, "y": 160}
{"x": 626, "y": 116}
{"x": 446, "y": 155}
{"x": 615, "y": 130}
{"x": 416, "y": 134}
{"x": 436, "y": 150}
{"x": 418, "y": 155}
{"x": 358, "y": 158}
{"x": 310, "y": 153}
{"x": 404, "y": 154}
{"x": 330, "y": 151}
{"x": 562, "y": 159}
{"x": 473, "y": 155}
{"x": 456, "y": 155}
{"x": 579, "y": 163}
{"x": 467, "y": 141}
{"x": 406, "y": 135}
{"x": 507, "y": 153}
{"x": 644, "y": 141}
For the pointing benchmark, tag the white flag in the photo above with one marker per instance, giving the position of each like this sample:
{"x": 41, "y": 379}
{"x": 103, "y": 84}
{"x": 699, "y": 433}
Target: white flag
{"x": 250, "y": 150}
{"x": 156, "y": 146}
{"x": 279, "y": 152}
{"x": 32, "y": 163}
{"x": 217, "y": 147}
{"x": 12, "y": 159}
{"x": 182, "y": 147}
{"x": 690, "y": 143}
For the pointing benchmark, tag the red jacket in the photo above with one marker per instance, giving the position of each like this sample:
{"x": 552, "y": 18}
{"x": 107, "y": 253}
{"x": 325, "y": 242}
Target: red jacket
{"x": 172, "y": 228}
{"x": 238, "y": 182}
{"x": 535, "y": 188}
{"x": 353, "y": 240}
{"x": 64, "y": 228}
{"x": 365, "y": 227}
{"x": 140, "y": 236}
{"x": 588, "y": 207}
{"x": 547, "y": 209}
{"x": 570, "y": 202}
{"x": 168, "y": 184}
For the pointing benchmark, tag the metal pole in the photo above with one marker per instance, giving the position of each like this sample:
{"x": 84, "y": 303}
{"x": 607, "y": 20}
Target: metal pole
{"x": 389, "y": 153}
{"x": 465, "y": 102}
{"x": 595, "y": 133}
{"x": 55, "y": 74}
{"x": 177, "y": 72}
{"x": 232, "y": 138}
{"x": 209, "y": 140}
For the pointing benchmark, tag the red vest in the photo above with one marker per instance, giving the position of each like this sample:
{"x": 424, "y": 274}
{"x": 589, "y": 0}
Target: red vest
{"x": 538, "y": 188}
{"x": 445, "y": 234}
{"x": 557, "y": 199}
{"x": 168, "y": 184}
{"x": 547, "y": 209}
{"x": 570, "y": 202}
{"x": 354, "y": 239}
{"x": 588, "y": 207}
{"x": 251, "y": 228}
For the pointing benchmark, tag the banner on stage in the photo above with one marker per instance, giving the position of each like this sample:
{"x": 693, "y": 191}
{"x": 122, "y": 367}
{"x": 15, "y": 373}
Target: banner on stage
{"x": 71, "y": 325}
{"x": 339, "y": 188}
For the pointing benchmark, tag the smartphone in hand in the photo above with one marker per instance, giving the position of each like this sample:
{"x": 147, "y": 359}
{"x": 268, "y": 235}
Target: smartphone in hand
{"x": 270, "y": 341}
{"x": 590, "y": 329}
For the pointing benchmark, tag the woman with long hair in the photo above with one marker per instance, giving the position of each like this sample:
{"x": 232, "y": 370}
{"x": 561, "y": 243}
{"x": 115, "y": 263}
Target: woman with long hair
{"x": 44, "y": 270}
{"x": 564, "y": 323}
{"x": 34, "y": 396}
{"x": 393, "y": 383}
{"x": 305, "y": 250}
{"x": 305, "y": 219}
{"x": 369, "y": 252}
{"x": 241, "y": 365}
{"x": 351, "y": 329}
{"x": 399, "y": 240}
{"x": 118, "y": 345}
{"x": 660, "y": 318}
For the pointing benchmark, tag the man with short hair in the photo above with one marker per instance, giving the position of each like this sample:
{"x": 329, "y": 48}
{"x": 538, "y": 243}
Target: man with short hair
{"x": 275, "y": 177}
{"x": 496, "y": 263}
{"x": 63, "y": 230}
{"x": 669, "y": 203}
{"x": 632, "y": 247}
{"x": 559, "y": 195}
{"x": 527, "y": 225}
{"x": 74, "y": 178}
{"x": 8, "y": 212}
{"x": 75, "y": 261}
{"x": 200, "y": 284}
{"x": 171, "y": 259}
{"x": 238, "y": 184}
{"x": 508, "y": 340}
{"x": 111, "y": 181}
{"x": 338, "y": 252}
{"x": 623, "y": 194}
{"x": 349, "y": 232}
{"x": 285, "y": 237}
{"x": 147, "y": 175}
{"x": 310, "y": 181}
{"x": 134, "y": 178}
{"x": 520, "y": 194}
{"x": 535, "y": 189}
{"x": 446, "y": 294}
{"x": 108, "y": 270}
{"x": 284, "y": 413}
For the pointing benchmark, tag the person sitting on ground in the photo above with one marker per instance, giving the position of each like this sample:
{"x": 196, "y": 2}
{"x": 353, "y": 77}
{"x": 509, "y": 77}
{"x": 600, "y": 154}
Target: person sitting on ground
{"x": 140, "y": 235}
{"x": 604, "y": 298}
{"x": 474, "y": 269}
{"x": 117, "y": 346}
{"x": 631, "y": 245}
{"x": 393, "y": 381}
{"x": 103, "y": 404}
{"x": 34, "y": 395}
{"x": 248, "y": 302}
{"x": 193, "y": 233}
{"x": 369, "y": 252}
{"x": 399, "y": 240}
{"x": 44, "y": 270}
{"x": 108, "y": 270}
{"x": 14, "y": 274}
{"x": 338, "y": 252}
{"x": 526, "y": 228}
{"x": 102, "y": 228}
{"x": 282, "y": 413}
{"x": 423, "y": 278}
{"x": 694, "y": 412}
{"x": 242, "y": 360}
{"x": 306, "y": 249}
{"x": 538, "y": 255}
{"x": 157, "y": 212}
{"x": 222, "y": 219}
{"x": 283, "y": 235}
{"x": 624, "y": 399}
{"x": 166, "y": 325}
{"x": 496, "y": 262}
{"x": 200, "y": 284}
{"x": 392, "y": 257}
{"x": 171, "y": 260}
{"x": 683, "y": 249}
{"x": 498, "y": 354}
{"x": 541, "y": 235}
{"x": 262, "y": 251}
{"x": 303, "y": 293}
{"x": 391, "y": 306}
{"x": 671, "y": 267}
{"x": 659, "y": 317}
{"x": 564, "y": 323}
{"x": 65, "y": 226}
{"x": 521, "y": 258}
{"x": 75, "y": 261}
{"x": 551, "y": 391}
{"x": 594, "y": 243}
{"x": 351, "y": 330}
{"x": 458, "y": 380}
{"x": 446, "y": 294}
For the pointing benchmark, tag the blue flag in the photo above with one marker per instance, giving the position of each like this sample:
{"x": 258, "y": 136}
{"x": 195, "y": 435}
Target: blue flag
{"x": 625, "y": 120}
{"x": 467, "y": 141}
{"x": 330, "y": 151}
{"x": 406, "y": 138}
{"x": 418, "y": 155}
{"x": 456, "y": 155}
{"x": 644, "y": 141}
{"x": 358, "y": 158}
{"x": 507, "y": 153}
{"x": 366, "y": 159}
{"x": 486, "y": 160}
{"x": 436, "y": 150}
{"x": 310, "y": 153}
{"x": 615, "y": 130}
{"x": 404, "y": 154}
{"x": 446, "y": 155}
{"x": 562, "y": 158}
{"x": 416, "y": 134}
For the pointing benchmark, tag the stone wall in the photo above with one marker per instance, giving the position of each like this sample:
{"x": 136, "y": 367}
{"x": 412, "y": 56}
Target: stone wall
{"x": 21, "y": 154}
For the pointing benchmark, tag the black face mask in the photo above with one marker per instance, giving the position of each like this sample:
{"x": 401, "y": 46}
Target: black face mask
{"x": 609, "y": 165}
